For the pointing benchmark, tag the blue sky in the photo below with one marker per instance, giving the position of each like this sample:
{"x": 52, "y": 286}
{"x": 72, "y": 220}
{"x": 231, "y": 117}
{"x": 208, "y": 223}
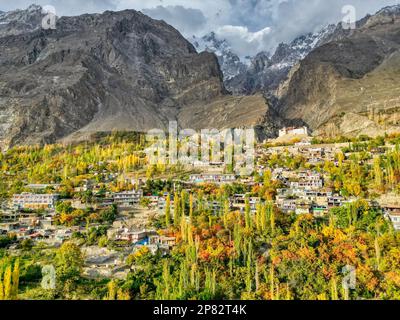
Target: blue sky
{"x": 249, "y": 25}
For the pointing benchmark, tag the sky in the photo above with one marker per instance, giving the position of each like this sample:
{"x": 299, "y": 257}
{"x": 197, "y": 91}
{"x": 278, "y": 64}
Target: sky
{"x": 250, "y": 26}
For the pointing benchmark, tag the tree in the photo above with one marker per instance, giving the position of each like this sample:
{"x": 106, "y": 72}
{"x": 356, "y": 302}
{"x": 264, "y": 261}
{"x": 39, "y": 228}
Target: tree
{"x": 378, "y": 173}
{"x": 9, "y": 280}
{"x": 112, "y": 290}
{"x": 70, "y": 261}
{"x": 109, "y": 215}
{"x": 247, "y": 213}
{"x": 168, "y": 211}
{"x": 26, "y": 244}
{"x": 177, "y": 213}
{"x": 191, "y": 207}
{"x": 15, "y": 279}
{"x": 64, "y": 207}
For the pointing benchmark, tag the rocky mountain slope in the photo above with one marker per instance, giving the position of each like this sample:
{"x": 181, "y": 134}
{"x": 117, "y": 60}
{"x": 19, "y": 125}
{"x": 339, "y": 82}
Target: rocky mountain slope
{"x": 20, "y": 21}
{"x": 103, "y": 72}
{"x": 267, "y": 72}
{"x": 230, "y": 63}
{"x": 264, "y": 72}
{"x": 350, "y": 84}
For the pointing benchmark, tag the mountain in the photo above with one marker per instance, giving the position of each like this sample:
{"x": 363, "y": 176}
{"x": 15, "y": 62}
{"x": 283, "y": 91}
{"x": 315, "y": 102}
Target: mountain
{"x": 103, "y": 72}
{"x": 20, "y": 21}
{"x": 266, "y": 72}
{"x": 230, "y": 63}
{"x": 263, "y": 73}
{"x": 349, "y": 85}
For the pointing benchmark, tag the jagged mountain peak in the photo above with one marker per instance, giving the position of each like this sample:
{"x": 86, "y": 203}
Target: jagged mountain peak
{"x": 229, "y": 61}
{"x": 21, "y": 20}
{"x": 261, "y": 61}
{"x": 266, "y": 72}
{"x": 21, "y": 14}
{"x": 395, "y": 9}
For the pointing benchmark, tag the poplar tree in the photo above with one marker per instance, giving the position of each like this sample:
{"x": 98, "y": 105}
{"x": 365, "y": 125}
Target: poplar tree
{"x": 191, "y": 207}
{"x": 7, "y": 283}
{"x": 15, "y": 279}
{"x": 176, "y": 210}
{"x": 247, "y": 213}
{"x": 168, "y": 211}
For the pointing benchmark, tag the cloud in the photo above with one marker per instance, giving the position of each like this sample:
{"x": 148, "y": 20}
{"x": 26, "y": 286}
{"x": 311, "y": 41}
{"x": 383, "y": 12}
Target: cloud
{"x": 187, "y": 20}
{"x": 245, "y": 41}
{"x": 248, "y": 25}
{"x": 292, "y": 18}
{"x": 63, "y": 7}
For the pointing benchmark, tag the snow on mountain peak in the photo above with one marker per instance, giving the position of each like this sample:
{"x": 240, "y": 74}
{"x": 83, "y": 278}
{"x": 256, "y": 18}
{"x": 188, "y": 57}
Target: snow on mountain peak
{"x": 230, "y": 63}
{"x": 390, "y": 10}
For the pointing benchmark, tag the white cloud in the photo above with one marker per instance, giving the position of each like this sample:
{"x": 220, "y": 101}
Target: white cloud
{"x": 245, "y": 41}
{"x": 188, "y": 21}
{"x": 247, "y": 24}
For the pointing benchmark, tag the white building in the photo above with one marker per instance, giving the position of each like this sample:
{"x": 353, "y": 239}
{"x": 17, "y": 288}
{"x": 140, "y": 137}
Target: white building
{"x": 125, "y": 234}
{"x": 128, "y": 198}
{"x": 293, "y": 131}
{"x": 309, "y": 181}
{"x": 212, "y": 178}
{"x": 393, "y": 213}
{"x": 34, "y": 201}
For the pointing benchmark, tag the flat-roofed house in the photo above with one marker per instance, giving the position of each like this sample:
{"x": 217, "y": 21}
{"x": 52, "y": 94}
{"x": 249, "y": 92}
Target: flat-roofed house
{"x": 34, "y": 201}
{"x": 293, "y": 131}
{"x": 128, "y": 198}
{"x": 162, "y": 240}
{"x": 212, "y": 178}
{"x": 393, "y": 213}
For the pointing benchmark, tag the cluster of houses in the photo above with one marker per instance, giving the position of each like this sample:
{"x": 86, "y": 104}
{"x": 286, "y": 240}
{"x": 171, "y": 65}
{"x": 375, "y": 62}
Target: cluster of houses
{"x": 302, "y": 201}
{"x": 304, "y": 192}
{"x": 40, "y": 230}
{"x": 301, "y": 192}
{"x": 142, "y": 238}
{"x": 313, "y": 154}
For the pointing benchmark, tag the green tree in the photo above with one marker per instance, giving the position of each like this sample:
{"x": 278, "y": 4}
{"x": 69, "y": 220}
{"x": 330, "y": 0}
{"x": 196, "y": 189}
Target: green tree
{"x": 70, "y": 262}
{"x": 168, "y": 211}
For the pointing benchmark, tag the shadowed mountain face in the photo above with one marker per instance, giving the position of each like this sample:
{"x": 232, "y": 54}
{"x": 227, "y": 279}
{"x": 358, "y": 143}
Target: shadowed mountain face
{"x": 102, "y": 72}
{"x": 126, "y": 71}
{"x": 350, "y": 85}
{"x": 266, "y": 72}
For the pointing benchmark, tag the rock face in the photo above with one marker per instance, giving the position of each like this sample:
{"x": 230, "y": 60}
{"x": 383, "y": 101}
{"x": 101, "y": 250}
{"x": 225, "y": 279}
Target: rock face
{"x": 336, "y": 81}
{"x": 266, "y": 72}
{"x": 100, "y": 72}
{"x": 230, "y": 63}
{"x": 350, "y": 84}
{"x": 20, "y": 21}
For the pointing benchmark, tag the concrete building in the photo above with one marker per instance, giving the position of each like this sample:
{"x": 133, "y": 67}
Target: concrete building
{"x": 212, "y": 178}
{"x": 128, "y": 198}
{"x": 393, "y": 213}
{"x": 124, "y": 234}
{"x": 34, "y": 201}
{"x": 293, "y": 131}
{"x": 238, "y": 202}
{"x": 162, "y": 240}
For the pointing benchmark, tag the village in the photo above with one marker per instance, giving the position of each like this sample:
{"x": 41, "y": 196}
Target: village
{"x": 34, "y": 217}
